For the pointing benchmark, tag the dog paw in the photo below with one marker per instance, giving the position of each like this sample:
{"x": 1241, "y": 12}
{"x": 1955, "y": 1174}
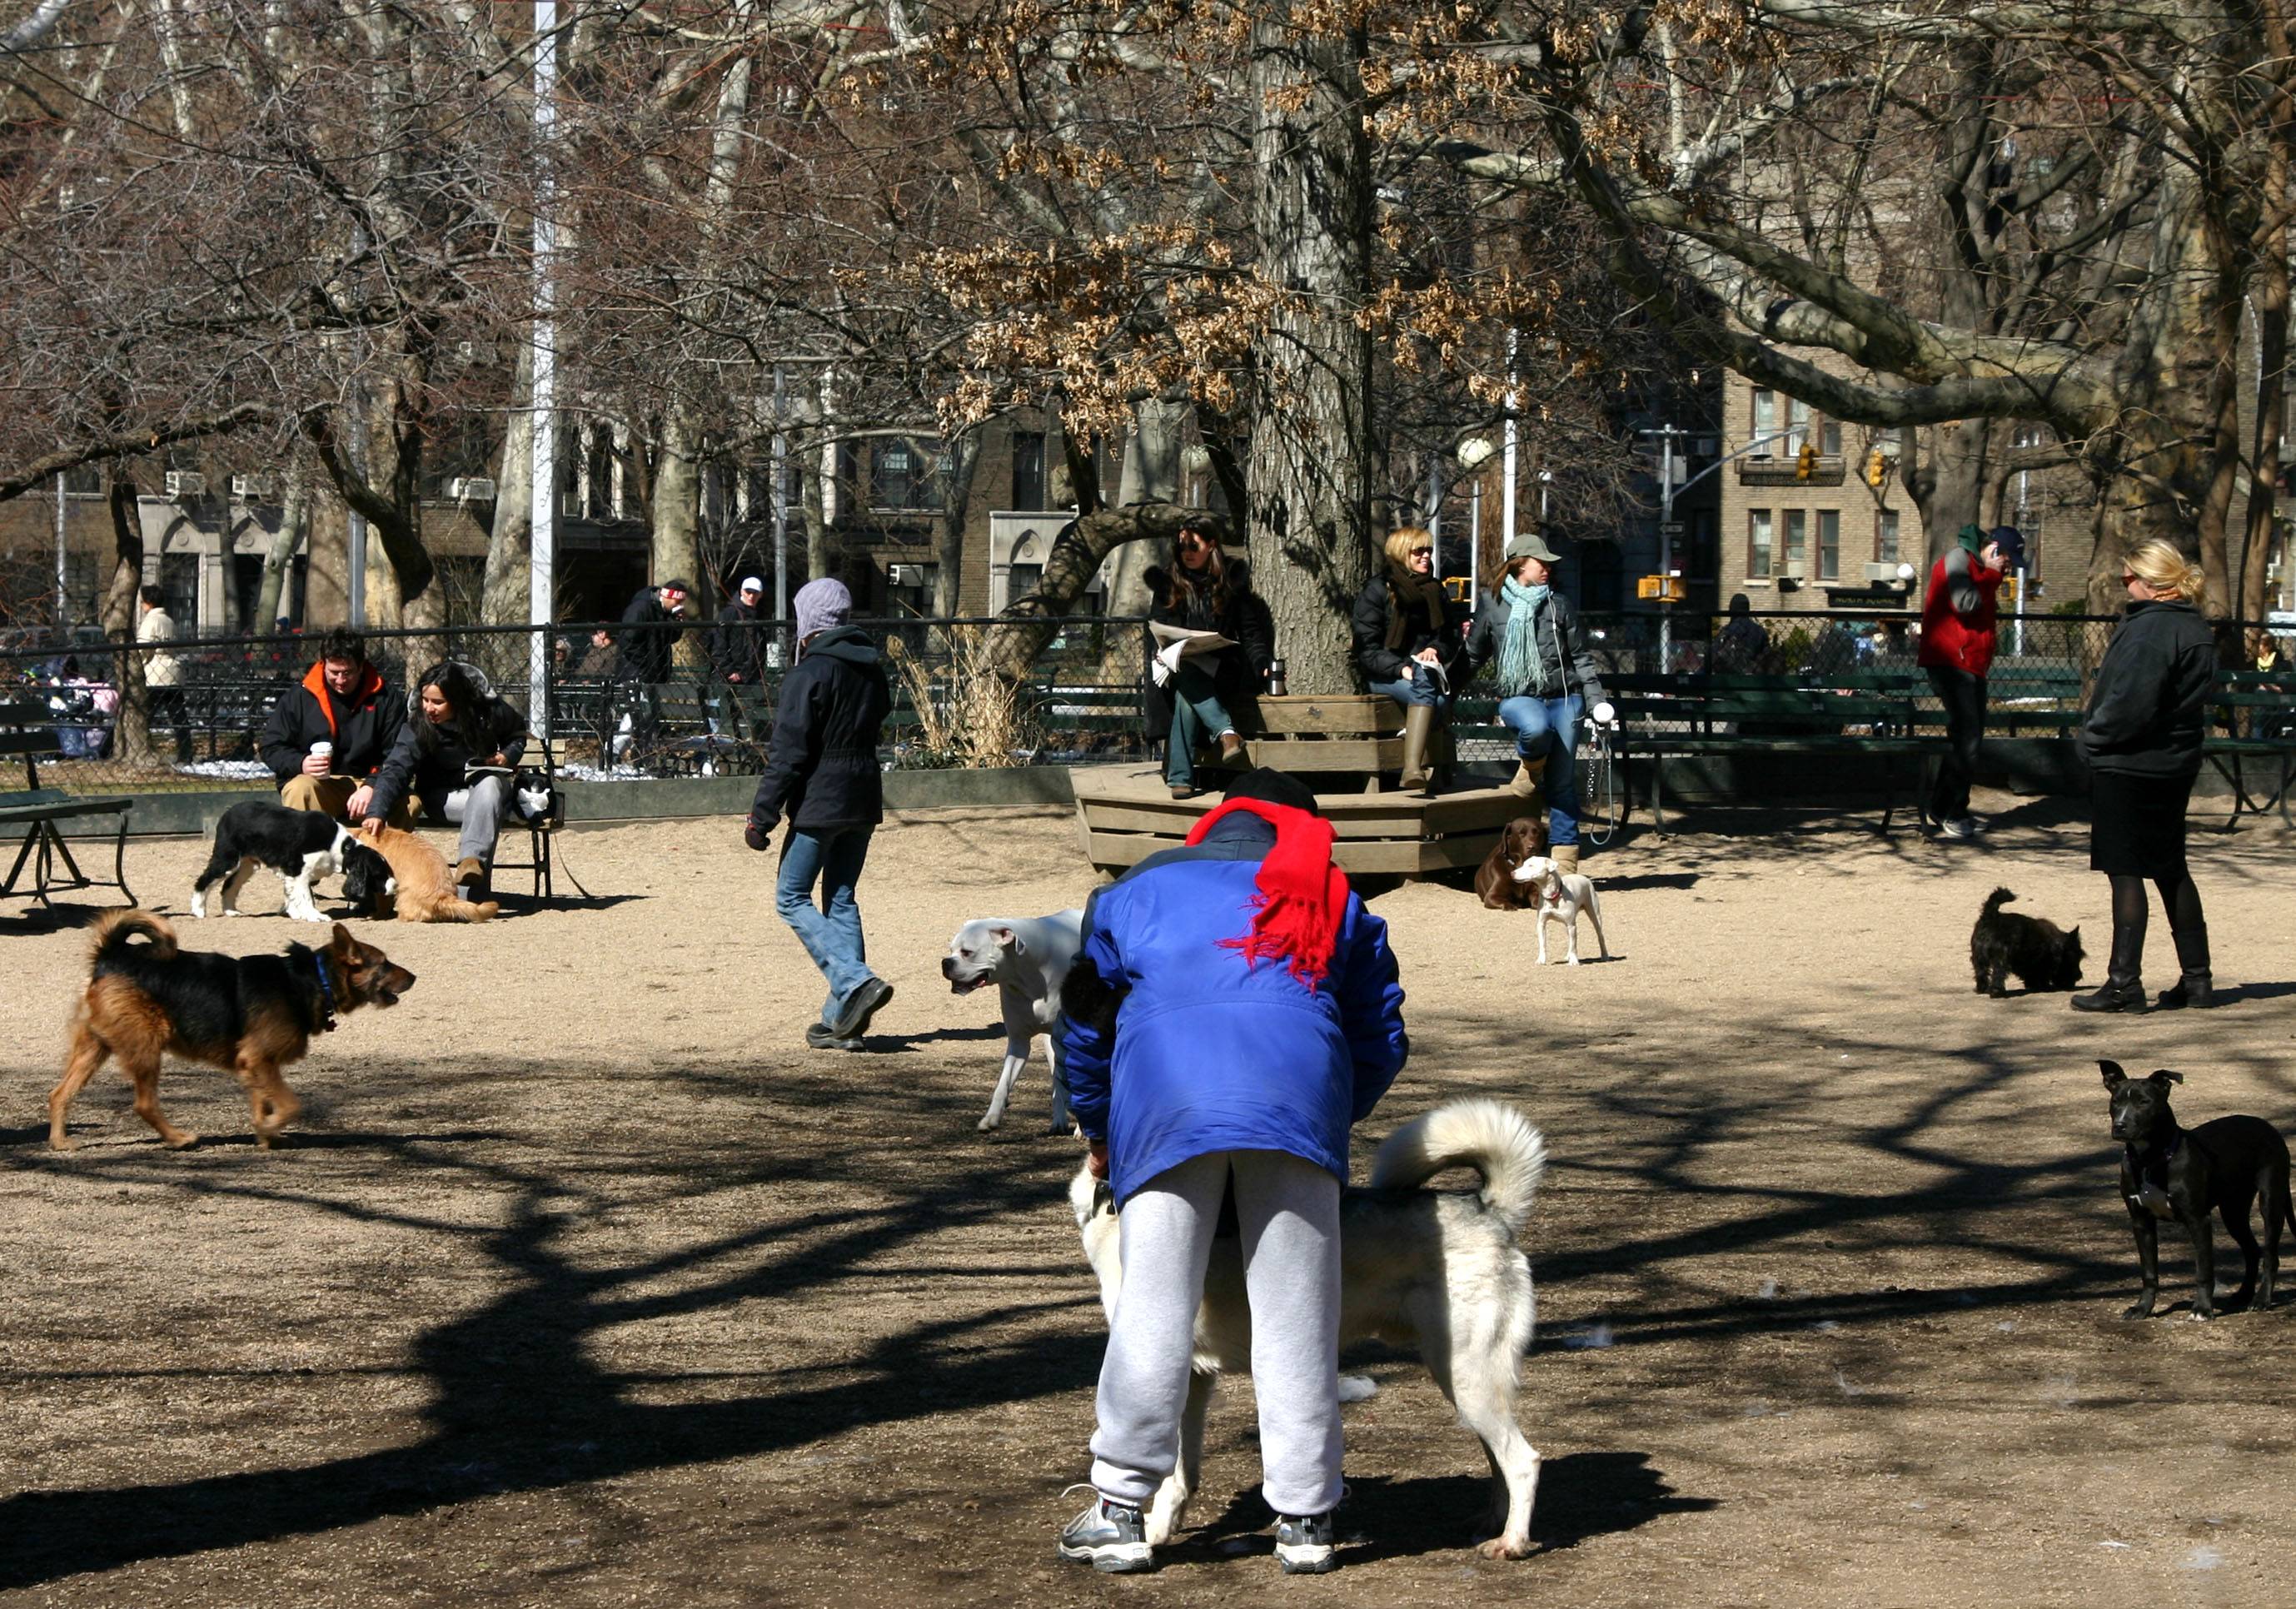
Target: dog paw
{"x": 180, "y": 1141}
{"x": 987, "y": 1123}
{"x": 2143, "y": 1310}
{"x": 1505, "y": 1548}
{"x": 2203, "y": 1314}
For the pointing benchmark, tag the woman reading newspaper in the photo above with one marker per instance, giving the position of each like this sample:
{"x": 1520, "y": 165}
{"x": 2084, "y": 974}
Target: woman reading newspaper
{"x": 1210, "y": 641}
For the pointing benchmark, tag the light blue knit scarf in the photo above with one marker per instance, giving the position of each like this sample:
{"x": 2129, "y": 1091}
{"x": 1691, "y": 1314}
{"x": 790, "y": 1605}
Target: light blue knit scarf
{"x": 1521, "y": 664}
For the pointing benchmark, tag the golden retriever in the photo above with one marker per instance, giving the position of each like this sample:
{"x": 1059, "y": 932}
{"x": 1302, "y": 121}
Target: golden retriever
{"x": 424, "y": 890}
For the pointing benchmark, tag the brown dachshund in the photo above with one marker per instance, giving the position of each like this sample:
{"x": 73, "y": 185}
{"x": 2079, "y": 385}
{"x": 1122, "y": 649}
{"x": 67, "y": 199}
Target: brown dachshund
{"x": 250, "y": 1016}
{"x": 1494, "y": 885}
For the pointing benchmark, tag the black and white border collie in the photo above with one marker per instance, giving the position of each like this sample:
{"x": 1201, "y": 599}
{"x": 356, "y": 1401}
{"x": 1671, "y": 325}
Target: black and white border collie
{"x": 302, "y": 846}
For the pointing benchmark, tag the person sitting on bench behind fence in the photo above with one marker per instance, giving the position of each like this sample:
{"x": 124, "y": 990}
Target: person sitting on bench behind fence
{"x": 344, "y": 704}
{"x": 457, "y": 724}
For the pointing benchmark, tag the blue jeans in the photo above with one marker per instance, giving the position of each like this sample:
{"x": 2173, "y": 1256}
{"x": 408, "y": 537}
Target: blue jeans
{"x": 832, "y": 933}
{"x": 1545, "y": 730}
{"x": 1198, "y": 715}
{"x": 1420, "y": 688}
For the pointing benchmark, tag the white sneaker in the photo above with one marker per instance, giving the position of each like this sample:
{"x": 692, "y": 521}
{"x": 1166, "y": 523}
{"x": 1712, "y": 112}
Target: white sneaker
{"x": 1961, "y": 827}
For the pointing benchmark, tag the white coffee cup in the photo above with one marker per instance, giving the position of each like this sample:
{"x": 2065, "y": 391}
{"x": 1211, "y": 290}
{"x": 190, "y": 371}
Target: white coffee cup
{"x": 323, "y": 750}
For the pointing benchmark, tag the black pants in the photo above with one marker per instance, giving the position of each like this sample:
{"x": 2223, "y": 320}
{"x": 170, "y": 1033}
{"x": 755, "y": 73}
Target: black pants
{"x": 166, "y": 710}
{"x": 1964, "y": 698}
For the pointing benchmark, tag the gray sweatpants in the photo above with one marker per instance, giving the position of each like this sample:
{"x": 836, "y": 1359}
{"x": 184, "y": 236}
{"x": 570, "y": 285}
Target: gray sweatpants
{"x": 1288, "y": 1210}
{"x": 478, "y": 810}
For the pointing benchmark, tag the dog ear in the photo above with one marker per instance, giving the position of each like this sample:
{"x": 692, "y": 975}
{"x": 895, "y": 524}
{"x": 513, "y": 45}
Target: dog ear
{"x": 2113, "y": 1076}
{"x": 1006, "y": 935}
{"x": 343, "y": 943}
{"x": 2164, "y": 1077}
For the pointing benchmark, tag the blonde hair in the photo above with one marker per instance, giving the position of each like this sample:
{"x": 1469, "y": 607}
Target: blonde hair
{"x": 2161, "y": 566}
{"x": 1402, "y": 539}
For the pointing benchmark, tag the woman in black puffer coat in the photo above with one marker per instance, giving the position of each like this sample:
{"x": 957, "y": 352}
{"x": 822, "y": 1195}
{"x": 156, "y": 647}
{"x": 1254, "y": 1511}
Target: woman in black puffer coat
{"x": 2142, "y": 739}
{"x": 1207, "y": 696}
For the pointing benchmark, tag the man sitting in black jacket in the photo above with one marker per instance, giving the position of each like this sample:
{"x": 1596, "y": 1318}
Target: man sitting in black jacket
{"x": 736, "y": 647}
{"x": 343, "y": 703}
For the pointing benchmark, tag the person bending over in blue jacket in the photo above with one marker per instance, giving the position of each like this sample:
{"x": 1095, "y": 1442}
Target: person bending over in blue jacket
{"x": 1248, "y": 1016}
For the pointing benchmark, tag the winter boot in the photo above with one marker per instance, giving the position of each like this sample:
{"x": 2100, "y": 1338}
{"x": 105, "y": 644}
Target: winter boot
{"x": 1232, "y": 753}
{"x": 1443, "y": 755}
{"x": 2124, "y": 989}
{"x": 1565, "y": 857}
{"x": 2195, "y": 987}
{"x": 1418, "y": 726}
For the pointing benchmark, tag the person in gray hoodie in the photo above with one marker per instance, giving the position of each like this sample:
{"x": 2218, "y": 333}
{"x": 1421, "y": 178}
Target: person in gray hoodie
{"x": 2142, "y": 737}
{"x": 822, "y": 773}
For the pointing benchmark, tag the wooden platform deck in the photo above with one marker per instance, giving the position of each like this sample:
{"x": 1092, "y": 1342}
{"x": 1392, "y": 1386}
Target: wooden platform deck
{"x": 1128, "y": 813}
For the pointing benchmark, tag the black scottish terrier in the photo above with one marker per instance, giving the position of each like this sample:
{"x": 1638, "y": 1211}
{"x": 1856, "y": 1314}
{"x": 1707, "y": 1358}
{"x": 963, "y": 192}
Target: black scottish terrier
{"x": 2042, "y": 955}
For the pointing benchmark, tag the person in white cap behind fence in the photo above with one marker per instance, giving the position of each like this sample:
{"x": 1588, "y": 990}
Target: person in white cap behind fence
{"x": 736, "y": 647}
{"x": 822, "y": 773}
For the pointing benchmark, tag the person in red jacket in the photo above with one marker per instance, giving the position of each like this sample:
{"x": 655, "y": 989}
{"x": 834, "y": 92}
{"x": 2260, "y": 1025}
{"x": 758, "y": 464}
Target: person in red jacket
{"x": 1957, "y": 651}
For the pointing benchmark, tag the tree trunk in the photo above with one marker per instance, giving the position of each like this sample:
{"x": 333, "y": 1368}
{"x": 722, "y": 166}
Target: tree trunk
{"x": 1309, "y": 508}
{"x": 133, "y": 726}
{"x": 294, "y": 519}
{"x": 2268, "y": 292}
{"x": 1150, "y": 473}
{"x": 508, "y": 590}
{"x": 675, "y": 510}
{"x": 948, "y": 542}
{"x": 1079, "y": 550}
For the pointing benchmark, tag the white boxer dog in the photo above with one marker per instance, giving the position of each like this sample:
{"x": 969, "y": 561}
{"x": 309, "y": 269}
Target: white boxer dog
{"x": 1027, "y": 958}
{"x": 1562, "y": 896}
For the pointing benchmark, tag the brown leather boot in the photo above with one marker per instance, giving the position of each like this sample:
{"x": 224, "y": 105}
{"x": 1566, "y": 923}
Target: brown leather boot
{"x": 1418, "y": 726}
{"x": 1231, "y": 752}
{"x": 470, "y": 879}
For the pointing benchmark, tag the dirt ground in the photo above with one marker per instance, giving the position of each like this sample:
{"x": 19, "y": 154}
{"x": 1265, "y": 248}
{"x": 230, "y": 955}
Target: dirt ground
{"x": 584, "y": 1282}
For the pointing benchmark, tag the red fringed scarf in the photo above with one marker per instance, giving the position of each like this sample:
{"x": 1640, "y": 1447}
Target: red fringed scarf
{"x": 1302, "y": 895}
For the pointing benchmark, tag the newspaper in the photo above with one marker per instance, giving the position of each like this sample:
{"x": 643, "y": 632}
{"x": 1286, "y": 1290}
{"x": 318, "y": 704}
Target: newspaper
{"x": 1179, "y": 643}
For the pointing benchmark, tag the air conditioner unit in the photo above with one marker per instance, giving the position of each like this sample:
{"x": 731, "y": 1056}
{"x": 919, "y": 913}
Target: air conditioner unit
{"x": 1886, "y": 574}
{"x": 906, "y": 575}
{"x": 183, "y": 484}
{"x": 1796, "y": 570}
{"x": 470, "y": 488}
{"x": 249, "y": 488}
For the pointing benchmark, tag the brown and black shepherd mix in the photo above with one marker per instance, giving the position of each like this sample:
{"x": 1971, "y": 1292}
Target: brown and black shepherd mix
{"x": 250, "y": 1016}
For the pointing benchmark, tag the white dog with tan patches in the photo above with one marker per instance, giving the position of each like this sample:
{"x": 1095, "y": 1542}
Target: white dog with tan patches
{"x": 1028, "y": 959}
{"x": 1562, "y": 896}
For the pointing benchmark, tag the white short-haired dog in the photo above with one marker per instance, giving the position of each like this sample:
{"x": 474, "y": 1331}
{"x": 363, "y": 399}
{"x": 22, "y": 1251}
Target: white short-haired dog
{"x": 1027, "y": 958}
{"x": 1562, "y": 895}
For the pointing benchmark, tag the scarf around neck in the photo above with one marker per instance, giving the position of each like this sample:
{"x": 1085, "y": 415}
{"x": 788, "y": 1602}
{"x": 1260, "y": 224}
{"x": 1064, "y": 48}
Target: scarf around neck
{"x": 1406, "y": 589}
{"x": 1303, "y": 896}
{"x": 1521, "y": 664}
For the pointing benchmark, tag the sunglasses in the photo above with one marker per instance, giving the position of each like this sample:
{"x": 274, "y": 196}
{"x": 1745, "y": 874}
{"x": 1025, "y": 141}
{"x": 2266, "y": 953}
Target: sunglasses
{"x": 1418, "y": 553}
{"x": 2127, "y": 576}
{"x": 1193, "y": 544}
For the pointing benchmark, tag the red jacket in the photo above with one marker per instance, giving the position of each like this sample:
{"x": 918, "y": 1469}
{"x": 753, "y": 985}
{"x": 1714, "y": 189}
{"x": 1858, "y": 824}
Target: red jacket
{"x": 1959, "y": 632}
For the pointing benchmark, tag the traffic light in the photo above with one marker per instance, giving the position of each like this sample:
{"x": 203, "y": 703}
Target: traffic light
{"x": 1877, "y": 470}
{"x": 1806, "y": 465}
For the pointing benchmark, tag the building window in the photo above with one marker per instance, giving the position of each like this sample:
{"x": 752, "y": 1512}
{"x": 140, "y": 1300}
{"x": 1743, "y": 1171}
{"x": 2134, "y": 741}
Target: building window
{"x": 1797, "y": 427}
{"x": 1885, "y": 537}
{"x": 1028, "y": 469}
{"x": 1766, "y": 424}
{"x": 1797, "y": 542}
{"x": 1829, "y": 438}
{"x": 902, "y": 477}
{"x": 84, "y": 481}
{"x": 1758, "y": 545}
{"x": 1829, "y": 544}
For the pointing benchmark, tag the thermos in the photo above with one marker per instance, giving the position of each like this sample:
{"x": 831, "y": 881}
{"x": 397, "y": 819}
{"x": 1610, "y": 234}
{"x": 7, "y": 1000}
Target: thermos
{"x": 1275, "y": 678}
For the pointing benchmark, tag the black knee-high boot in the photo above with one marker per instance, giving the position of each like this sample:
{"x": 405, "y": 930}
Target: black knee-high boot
{"x": 2124, "y": 987}
{"x": 2195, "y": 987}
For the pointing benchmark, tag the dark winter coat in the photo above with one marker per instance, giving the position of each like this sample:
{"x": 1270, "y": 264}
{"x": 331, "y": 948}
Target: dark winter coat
{"x": 646, "y": 636}
{"x": 1238, "y": 673}
{"x": 1562, "y": 645}
{"x": 821, "y": 766}
{"x": 738, "y": 646}
{"x": 363, "y": 727}
{"x": 2146, "y": 712}
{"x": 1208, "y": 1051}
{"x": 1374, "y": 613}
{"x": 430, "y": 760}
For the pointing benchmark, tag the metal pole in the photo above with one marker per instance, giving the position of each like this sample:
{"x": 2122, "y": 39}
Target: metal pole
{"x": 1435, "y": 512}
{"x": 1506, "y": 453}
{"x": 780, "y": 459}
{"x": 1474, "y": 539}
{"x": 542, "y": 498}
{"x": 63, "y": 586}
{"x": 1665, "y": 548}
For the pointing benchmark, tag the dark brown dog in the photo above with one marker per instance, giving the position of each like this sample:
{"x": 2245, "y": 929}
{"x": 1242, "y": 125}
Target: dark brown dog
{"x": 250, "y": 1016}
{"x": 1494, "y": 885}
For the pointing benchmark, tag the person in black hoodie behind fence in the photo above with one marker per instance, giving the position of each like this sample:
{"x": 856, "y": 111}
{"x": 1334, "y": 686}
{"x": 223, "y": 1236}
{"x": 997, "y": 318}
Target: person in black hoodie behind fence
{"x": 822, "y": 773}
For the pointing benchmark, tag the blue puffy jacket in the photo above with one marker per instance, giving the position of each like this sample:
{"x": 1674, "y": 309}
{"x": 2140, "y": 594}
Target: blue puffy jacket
{"x": 1209, "y": 1053}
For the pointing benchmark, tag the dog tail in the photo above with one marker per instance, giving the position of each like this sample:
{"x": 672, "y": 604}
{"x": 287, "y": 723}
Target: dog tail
{"x": 1490, "y": 1137}
{"x": 114, "y": 929}
{"x": 1994, "y": 900}
{"x": 464, "y": 910}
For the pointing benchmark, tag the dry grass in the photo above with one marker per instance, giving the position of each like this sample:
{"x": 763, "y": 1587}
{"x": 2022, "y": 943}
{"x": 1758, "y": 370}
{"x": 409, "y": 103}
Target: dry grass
{"x": 969, "y": 716}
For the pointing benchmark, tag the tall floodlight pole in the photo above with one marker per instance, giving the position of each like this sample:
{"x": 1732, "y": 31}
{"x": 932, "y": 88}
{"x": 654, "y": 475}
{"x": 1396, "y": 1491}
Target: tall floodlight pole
{"x": 543, "y": 497}
{"x": 781, "y": 507}
{"x": 63, "y": 585}
{"x": 1506, "y": 454}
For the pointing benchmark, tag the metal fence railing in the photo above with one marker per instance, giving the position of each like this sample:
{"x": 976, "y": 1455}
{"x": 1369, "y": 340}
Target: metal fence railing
{"x": 620, "y": 700}
{"x": 611, "y": 713}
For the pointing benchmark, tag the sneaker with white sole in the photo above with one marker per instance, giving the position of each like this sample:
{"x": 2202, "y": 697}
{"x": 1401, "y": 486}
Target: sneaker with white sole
{"x": 867, "y": 999}
{"x": 1112, "y": 1537}
{"x": 1960, "y": 827}
{"x": 1304, "y": 1544}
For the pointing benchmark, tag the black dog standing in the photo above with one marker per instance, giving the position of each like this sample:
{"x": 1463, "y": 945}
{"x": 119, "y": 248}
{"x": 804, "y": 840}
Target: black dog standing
{"x": 2168, "y": 1171}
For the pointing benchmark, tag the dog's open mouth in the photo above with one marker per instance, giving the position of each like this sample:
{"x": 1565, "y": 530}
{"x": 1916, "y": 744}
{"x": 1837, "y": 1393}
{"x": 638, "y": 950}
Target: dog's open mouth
{"x": 964, "y": 985}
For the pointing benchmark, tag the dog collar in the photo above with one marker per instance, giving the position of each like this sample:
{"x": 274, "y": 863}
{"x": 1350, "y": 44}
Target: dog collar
{"x": 2153, "y": 1192}
{"x": 326, "y": 992}
{"x": 1555, "y": 894}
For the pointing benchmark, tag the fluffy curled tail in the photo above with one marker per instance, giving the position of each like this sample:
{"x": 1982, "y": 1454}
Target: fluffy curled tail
{"x": 1994, "y": 900}
{"x": 114, "y": 929}
{"x": 1490, "y": 1137}
{"x": 464, "y": 910}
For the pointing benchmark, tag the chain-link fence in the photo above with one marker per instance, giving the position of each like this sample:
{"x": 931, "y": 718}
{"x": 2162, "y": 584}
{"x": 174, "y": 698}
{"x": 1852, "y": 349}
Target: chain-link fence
{"x": 658, "y": 700}
{"x": 688, "y": 699}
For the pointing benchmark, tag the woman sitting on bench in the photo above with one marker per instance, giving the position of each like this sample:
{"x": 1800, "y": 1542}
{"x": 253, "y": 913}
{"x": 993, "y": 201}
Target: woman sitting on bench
{"x": 459, "y": 725}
